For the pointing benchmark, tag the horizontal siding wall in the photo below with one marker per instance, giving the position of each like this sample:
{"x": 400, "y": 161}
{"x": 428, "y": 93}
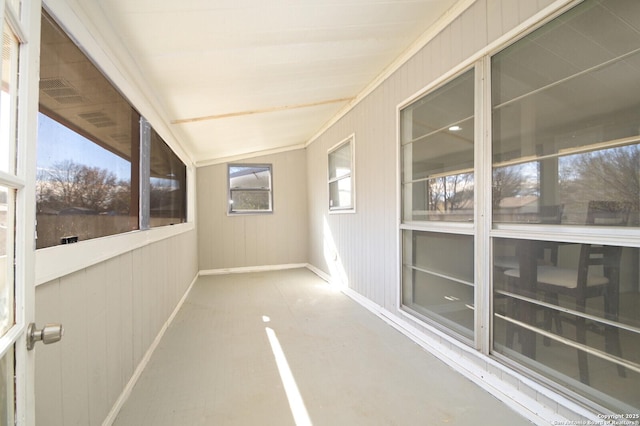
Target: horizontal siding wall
{"x": 236, "y": 241}
{"x": 366, "y": 243}
{"x": 111, "y": 313}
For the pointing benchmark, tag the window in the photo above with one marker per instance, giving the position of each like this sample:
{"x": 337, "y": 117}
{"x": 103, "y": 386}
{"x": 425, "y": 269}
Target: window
{"x": 250, "y": 188}
{"x": 437, "y": 145}
{"x": 436, "y": 285}
{"x": 168, "y": 180}
{"x": 341, "y": 176}
{"x": 88, "y": 135}
{"x": 88, "y": 182}
{"x": 437, "y": 154}
{"x": 566, "y": 202}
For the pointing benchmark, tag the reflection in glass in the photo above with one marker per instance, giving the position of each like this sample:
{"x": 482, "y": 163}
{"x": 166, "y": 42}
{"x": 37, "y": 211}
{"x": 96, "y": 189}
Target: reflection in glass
{"x": 443, "y": 198}
{"x": 340, "y": 161}
{"x": 88, "y": 138}
{"x": 83, "y": 191}
{"x": 168, "y": 185}
{"x": 8, "y": 98}
{"x": 521, "y": 191}
{"x": 565, "y": 124}
{"x": 572, "y": 313}
{"x": 566, "y": 150}
{"x": 436, "y": 284}
{"x": 7, "y": 388}
{"x": 7, "y": 218}
{"x": 341, "y": 193}
{"x": 438, "y": 153}
{"x": 250, "y": 188}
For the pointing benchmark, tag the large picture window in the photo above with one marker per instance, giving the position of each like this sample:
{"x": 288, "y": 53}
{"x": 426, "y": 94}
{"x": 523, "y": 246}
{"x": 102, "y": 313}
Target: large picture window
{"x": 566, "y": 197}
{"x": 88, "y": 135}
{"x": 250, "y": 188}
{"x": 88, "y": 182}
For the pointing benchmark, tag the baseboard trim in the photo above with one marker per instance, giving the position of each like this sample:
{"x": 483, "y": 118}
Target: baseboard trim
{"x": 245, "y": 269}
{"x": 126, "y": 392}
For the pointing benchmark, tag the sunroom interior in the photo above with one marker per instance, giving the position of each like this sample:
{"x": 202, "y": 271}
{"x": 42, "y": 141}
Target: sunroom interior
{"x": 466, "y": 171}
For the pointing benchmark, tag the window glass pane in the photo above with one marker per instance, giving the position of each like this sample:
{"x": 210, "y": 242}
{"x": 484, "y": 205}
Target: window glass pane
{"x": 340, "y": 194}
{"x": 88, "y": 148}
{"x": 437, "y": 153}
{"x": 446, "y": 109}
{"x": 444, "y": 198}
{"x": 250, "y": 177}
{"x": 250, "y": 188}
{"x": 168, "y": 185}
{"x": 437, "y": 285}
{"x": 82, "y": 191}
{"x": 7, "y": 389}
{"x": 550, "y": 299}
{"x": 8, "y": 99}
{"x": 340, "y": 161}
{"x": 249, "y": 200}
{"x": 565, "y": 111}
{"x": 578, "y": 179}
{"x": 7, "y": 218}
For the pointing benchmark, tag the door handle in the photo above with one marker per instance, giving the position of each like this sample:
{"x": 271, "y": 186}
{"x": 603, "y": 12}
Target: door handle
{"x": 50, "y": 333}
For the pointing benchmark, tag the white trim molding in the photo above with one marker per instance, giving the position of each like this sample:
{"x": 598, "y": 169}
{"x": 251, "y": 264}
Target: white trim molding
{"x": 58, "y": 261}
{"x": 245, "y": 269}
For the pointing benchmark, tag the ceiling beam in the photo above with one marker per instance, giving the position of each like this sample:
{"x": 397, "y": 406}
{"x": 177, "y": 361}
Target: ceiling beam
{"x": 260, "y": 111}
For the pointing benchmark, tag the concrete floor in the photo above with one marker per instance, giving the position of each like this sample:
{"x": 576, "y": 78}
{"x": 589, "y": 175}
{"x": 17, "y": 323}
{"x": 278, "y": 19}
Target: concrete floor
{"x": 285, "y": 348}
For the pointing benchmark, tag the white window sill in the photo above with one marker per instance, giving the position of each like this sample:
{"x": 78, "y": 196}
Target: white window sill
{"x": 58, "y": 261}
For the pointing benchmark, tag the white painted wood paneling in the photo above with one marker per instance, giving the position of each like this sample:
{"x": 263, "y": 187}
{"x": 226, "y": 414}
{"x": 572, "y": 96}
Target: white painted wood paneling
{"x": 254, "y": 240}
{"x": 49, "y": 357}
{"x": 366, "y": 242}
{"x": 74, "y": 354}
{"x": 111, "y": 313}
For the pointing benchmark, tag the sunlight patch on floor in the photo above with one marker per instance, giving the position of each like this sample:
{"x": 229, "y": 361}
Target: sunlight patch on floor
{"x": 296, "y": 403}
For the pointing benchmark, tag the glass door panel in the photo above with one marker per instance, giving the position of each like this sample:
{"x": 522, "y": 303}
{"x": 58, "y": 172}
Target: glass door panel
{"x": 7, "y": 315}
{"x": 8, "y": 100}
{"x": 7, "y": 389}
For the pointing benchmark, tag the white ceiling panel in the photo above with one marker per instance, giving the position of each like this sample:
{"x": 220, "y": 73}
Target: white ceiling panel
{"x": 244, "y": 76}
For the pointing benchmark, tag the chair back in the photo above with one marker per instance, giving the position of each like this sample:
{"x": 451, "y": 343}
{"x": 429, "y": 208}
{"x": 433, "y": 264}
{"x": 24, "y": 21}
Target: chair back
{"x": 604, "y": 213}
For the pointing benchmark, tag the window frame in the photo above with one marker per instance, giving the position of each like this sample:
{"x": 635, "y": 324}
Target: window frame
{"x": 351, "y": 139}
{"x": 230, "y": 210}
{"x": 140, "y": 154}
{"x": 445, "y": 226}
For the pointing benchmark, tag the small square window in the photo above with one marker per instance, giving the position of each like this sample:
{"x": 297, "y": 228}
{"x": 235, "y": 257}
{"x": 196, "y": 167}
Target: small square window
{"x": 250, "y": 188}
{"x": 341, "y": 177}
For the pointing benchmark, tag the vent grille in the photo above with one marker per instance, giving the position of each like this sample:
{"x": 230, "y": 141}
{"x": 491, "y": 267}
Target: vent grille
{"x": 61, "y": 91}
{"x": 121, "y": 137}
{"x": 98, "y": 119}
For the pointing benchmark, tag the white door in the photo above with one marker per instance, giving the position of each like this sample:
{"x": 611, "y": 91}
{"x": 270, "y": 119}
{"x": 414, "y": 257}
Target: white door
{"x": 18, "y": 112}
